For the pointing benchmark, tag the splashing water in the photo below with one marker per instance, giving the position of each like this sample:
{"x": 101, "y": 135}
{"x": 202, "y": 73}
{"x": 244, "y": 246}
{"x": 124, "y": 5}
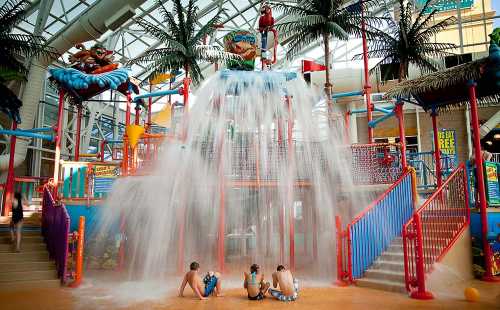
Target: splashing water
{"x": 243, "y": 178}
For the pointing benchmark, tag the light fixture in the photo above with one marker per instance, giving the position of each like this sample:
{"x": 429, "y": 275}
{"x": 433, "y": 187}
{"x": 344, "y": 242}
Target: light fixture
{"x": 496, "y": 136}
{"x": 489, "y": 142}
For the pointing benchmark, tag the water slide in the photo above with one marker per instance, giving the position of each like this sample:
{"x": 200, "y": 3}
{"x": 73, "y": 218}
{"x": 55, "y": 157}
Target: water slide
{"x": 91, "y": 25}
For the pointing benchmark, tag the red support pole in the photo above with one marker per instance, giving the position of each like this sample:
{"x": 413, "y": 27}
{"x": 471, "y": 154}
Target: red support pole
{"x": 127, "y": 112}
{"x": 150, "y": 105}
{"x": 402, "y": 136}
{"x": 9, "y": 184}
{"x": 347, "y": 121}
{"x": 79, "y": 253}
{"x": 367, "y": 86}
{"x": 437, "y": 150}
{"x": 121, "y": 248}
{"x": 137, "y": 115}
{"x": 181, "y": 219}
{"x": 222, "y": 203}
{"x": 103, "y": 145}
{"x": 421, "y": 292}
{"x": 78, "y": 132}
{"x": 478, "y": 159}
{"x": 58, "y": 138}
{"x": 291, "y": 225}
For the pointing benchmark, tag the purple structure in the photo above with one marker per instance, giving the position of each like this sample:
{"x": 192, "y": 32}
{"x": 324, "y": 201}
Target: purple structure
{"x": 55, "y": 231}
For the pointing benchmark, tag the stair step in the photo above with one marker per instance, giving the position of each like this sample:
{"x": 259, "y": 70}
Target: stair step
{"x": 4, "y": 247}
{"x": 27, "y": 266}
{"x": 24, "y": 239}
{"x": 392, "y": 256}
{"x": 389, "y": 265}
{"x": 28, "y": 275}
{"x": 386, "y": 275}
{"x": 384, "y": 285}
{"x": 24, "y": 256}
{"x": 29, "y": 285}
{"x": 24, "y": 233}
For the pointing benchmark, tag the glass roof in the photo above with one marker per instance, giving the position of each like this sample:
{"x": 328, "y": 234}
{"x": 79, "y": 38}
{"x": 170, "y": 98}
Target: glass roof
{"x": 129, "y": 41}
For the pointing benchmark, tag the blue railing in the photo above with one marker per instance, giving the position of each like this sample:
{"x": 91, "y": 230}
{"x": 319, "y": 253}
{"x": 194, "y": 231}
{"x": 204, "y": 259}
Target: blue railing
{"x": 425, "y": 167}
{"x": 375, "y": 228}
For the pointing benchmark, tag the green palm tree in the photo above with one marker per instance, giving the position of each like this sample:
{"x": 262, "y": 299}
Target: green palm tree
{"x": 16, "y": 50}
{"x": 183, "y": 43}
{"x": 408, "y": 40}
{"x": 309, "y": 21}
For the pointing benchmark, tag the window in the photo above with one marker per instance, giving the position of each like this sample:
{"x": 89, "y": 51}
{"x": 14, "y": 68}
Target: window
{"x": 389, "y": 72}
{"x": 455, "y": 60}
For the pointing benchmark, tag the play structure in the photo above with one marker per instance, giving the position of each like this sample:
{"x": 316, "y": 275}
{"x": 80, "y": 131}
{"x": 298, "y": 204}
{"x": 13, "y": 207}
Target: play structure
{"x": 253, "y": 172}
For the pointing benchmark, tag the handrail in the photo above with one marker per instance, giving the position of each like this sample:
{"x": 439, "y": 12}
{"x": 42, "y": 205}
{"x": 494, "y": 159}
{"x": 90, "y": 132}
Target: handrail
{"x": 379, "y": 199}
{"x": 433, "y": 229}
{"x": 55, "y": 230}
{"x": 374, "y": 228}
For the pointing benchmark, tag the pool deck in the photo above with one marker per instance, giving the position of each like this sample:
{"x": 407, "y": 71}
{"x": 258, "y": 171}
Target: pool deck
{"x": 343, "y": 298}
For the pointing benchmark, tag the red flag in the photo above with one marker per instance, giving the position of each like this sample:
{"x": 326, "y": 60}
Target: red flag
{"x": 311, "y": 66}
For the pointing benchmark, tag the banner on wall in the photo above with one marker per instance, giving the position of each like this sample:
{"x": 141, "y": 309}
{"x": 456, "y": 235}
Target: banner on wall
{"x": 104, "y": 177}
{"x": 445, "y": 5}
{"x": 492, "y": 184}
{"x": 448, "y": 141}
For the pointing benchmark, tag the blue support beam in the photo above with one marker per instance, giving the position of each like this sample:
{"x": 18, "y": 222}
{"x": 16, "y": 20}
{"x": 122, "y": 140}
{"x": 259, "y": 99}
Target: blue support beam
{"x": 114, "y": 141}
{"x": 374, "y": 123}
{"x": 348, "y": 94}
{"x": 159, "y": 94}
{"x": 43, "y": 129}
{"x": 384, "y": 109}
{"x": 22, "y": 133}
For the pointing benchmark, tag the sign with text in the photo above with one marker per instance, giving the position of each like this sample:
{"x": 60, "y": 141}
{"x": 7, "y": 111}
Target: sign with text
{"x": 104, "y": 177}
{"x": 448, "y": 141}
{"x": 492, "y": 185}
{"x": 445, "y": 5}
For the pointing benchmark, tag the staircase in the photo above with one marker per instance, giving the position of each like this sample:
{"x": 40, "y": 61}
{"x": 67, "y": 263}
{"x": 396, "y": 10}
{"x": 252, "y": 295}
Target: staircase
{"x": 387, "y": 272}
{"x": 31, "y": 267}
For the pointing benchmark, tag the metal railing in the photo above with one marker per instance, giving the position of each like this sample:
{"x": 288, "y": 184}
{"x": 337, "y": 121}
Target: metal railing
{"x": 434, "y": 228}
{"x": 425, "y": 166}
{"x": 376, "y": 163}
{"x": 55, "y": 231}
{"x": 372, "y": 231}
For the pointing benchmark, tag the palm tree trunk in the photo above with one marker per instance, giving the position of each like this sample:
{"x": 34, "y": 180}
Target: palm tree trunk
{"x": 328, "y": 84}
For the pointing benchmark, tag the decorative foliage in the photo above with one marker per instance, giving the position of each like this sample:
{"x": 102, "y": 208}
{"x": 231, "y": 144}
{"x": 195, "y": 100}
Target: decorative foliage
{"x": 311, "y": 20}
{"x": 13, "y": 46}
{"x": 409, "y": 40}
{"x": 10, "y": 104}
{"x": 77, "y": 79}
{"x": 183, "y": 43}
{"x": 14, "y": 50}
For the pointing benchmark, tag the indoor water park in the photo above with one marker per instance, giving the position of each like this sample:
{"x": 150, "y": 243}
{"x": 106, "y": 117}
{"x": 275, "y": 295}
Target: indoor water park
{"x": 249, "y": 154}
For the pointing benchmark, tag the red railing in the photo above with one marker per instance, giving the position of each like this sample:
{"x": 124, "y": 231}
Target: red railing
{"x": 372, "y": 231}
{"x": 378, "y": 163}
{"x": 433, "y": 230}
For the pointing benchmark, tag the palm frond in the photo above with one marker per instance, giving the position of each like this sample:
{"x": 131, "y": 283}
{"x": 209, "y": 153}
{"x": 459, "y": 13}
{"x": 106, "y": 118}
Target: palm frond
{"x": 214, "y": 54}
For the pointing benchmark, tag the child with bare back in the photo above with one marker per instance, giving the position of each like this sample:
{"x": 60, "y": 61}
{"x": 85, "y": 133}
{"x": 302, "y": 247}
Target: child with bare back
{"x": 212, "y": 281}
{"x": 254, "y": 283}
{"x": 289, "y": 287}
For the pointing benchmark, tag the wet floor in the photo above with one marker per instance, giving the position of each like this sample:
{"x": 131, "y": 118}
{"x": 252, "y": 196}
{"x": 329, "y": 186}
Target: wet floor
{"x": 87, "y": 297}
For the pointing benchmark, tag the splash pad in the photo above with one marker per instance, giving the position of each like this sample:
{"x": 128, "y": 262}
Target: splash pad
{"x": 257, "y": 175}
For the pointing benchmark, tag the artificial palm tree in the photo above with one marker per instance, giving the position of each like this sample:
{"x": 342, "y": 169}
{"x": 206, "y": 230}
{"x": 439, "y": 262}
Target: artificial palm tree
{"x": 183, "y": 43}
{"x": 15, "y": 50}
{"x": 312, "y": 20}
{"x": 409, "y": 40}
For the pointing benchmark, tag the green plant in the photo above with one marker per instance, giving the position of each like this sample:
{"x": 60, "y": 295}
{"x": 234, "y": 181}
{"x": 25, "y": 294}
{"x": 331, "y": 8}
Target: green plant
{"x": 311, "y": 20}
{"x": 15, "y": 48}
{"x": 409, "y": 39}
{"x": 182, "y": 41}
